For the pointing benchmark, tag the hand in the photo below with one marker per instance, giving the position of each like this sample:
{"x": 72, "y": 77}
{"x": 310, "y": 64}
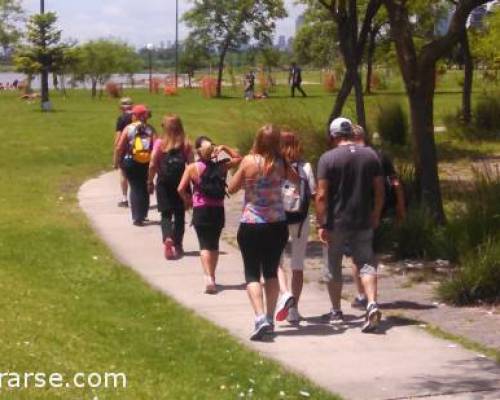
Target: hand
{"x": 151, "y": 187}
{"x": 375, "y": 220}
{"x": 323, "y": 236}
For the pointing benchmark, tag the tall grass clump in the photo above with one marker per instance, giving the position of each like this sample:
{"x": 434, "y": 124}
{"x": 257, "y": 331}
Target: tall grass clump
{"x": 392, "y": 124}
{"x": 478, "y": 278}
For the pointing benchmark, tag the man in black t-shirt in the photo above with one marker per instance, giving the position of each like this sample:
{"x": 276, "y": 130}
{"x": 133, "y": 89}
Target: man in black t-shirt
{"x": 349, "y": 203}
{"x": 122, "y": 122}
{"x": 295, "y": 79}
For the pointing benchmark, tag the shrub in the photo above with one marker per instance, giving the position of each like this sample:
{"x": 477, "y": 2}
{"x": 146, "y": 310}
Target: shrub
{"x": 392, "y": 124}
{"x": 113, "y": 90}
{"x": 478, "y": 278}
{"x": 330, "y": 82}
{"x": 487, "y": 115}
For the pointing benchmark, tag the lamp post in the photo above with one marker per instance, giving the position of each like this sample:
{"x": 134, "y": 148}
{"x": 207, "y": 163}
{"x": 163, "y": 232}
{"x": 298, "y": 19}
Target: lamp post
{"x": 150, "y": 48}
{"x": 176, "y": 41}
{"x": 44, "y": 75}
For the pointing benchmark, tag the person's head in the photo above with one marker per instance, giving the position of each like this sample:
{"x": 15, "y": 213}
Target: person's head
{"x": 204, "y": 147}
{"x": 291, "y": 148}
{"x": 268, "y": 145}
{"x": 359, "y": 134}
{"x": 294, "y": 64}
{"x": 173, "y": 135}
{"x": 126, "y": 104}
{"x": 340, "y": 130}
{"x": 140, "y": 113}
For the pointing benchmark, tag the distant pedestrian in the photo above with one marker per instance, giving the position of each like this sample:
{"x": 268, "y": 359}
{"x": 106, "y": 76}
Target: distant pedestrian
{"x": 349, "y": 202}
{"x": 208, "y": 178}
{"x": 301, "y": 194}
{"x": 133, "y": 154}
{"x": 171, "y": 154}
{"x": 123, "y": 120}
{"x": 295, "y": 79}
{"x": 263, "y": 230}
{"x": 250, "y": 86}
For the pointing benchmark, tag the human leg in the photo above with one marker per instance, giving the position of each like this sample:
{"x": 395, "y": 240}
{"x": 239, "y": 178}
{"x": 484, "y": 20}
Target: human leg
{"x": 124, "y": 189}
{"x": 179, "y": 228}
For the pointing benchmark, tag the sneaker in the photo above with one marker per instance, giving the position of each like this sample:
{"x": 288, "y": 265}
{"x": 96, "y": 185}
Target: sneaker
{"x": 169, "y": 249}
{"x": 211, "y": 288}
{"x": 123, "y": 203}
{"x": 333, "y": 317}
{"x": 285, "y": 302}
{"x": 373, "y": 317}
{"x": 179, "y": 251}
{"x": 138, "y": 222}
{"x": 293, "y": 315}
{"x": 360, "y": 303}
{"x": 262, "y": 327}
{"x": 271, "y": 323}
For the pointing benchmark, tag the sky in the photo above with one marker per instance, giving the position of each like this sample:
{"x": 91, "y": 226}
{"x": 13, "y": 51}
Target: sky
{"x": 136, "y": 22}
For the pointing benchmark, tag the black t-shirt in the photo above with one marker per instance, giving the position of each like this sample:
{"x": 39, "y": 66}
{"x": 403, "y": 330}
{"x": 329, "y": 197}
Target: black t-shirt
{"x": 122, "y": 121}
{"x": 350, "y": 171}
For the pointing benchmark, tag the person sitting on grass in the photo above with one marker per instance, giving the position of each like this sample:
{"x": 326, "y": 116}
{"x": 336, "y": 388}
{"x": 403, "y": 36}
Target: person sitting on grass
{"x": 171, "y": 153}
{"x": 208, "y": 177}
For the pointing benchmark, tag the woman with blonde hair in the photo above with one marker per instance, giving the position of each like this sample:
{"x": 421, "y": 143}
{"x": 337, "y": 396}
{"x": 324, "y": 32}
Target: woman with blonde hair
{"x": 298, "y": 225}
{"x": 263, "y": 230}
{"x": 208, "y": 179}
{"x": 171, "y": 153}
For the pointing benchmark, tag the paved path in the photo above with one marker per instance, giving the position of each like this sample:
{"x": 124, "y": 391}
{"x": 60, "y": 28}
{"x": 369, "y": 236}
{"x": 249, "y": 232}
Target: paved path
{"x": 399, "y": 363}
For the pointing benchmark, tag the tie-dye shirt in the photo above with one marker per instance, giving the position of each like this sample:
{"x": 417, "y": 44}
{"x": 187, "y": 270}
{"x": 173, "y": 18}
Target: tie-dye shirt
{"x": 263, "y": 199}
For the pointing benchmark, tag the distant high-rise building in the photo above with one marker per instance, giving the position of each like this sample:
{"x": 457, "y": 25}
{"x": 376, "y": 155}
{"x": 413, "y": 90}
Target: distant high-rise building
{"x": 169, "y": 44}
{"x": 281, "y": 42}
{"x": 298, "y": 23}
{"x": 289, "y": 44}
{"x": 162, "y": 45}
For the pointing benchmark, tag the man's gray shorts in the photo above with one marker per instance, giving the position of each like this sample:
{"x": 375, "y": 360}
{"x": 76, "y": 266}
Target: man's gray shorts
{"x": 361, "y": 245}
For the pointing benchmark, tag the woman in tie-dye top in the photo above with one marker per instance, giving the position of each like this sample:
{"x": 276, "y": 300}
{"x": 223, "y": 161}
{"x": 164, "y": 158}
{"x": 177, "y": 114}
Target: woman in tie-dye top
{"x": 263, "y": 231}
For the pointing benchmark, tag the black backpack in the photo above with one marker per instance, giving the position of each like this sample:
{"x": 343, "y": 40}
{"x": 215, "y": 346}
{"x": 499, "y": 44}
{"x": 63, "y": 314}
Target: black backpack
{"x": 171, "y": 168}
{"x": 213, "y": 181}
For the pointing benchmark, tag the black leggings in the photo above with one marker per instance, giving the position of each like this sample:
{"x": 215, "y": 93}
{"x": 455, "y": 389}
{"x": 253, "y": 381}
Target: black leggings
{"x": 172, "y": 224}
{"x": 137, "y": 175}
{"x": 261, "y": 247}
{"x": 208, "y": 236}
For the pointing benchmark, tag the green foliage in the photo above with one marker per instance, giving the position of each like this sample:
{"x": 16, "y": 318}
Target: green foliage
{"x": 99, "y": 59}
{"x": 477, "y": 279}
{"x": 392, "y": 124}
{"x": 485, "y": 41}
{"x": 11, "y": 13}
{"x": 193, "y": 56}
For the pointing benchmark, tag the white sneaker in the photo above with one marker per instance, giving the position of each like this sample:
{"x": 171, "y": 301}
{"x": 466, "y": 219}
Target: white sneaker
{"x": 293, "y": 315}
{"x": 285, "y": 302}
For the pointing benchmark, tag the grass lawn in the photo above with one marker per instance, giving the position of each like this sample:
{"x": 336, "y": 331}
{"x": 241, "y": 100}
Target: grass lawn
{"x": 67, "y": 305}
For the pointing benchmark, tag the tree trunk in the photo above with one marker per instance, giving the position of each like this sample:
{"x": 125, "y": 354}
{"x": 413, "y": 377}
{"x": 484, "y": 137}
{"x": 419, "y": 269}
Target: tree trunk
{"x": 360, "y": 101}
{"x": 342, "y": 95}
{"x": 424, "y": 148}
{"x": 369, "y": 61}
{"x": 468, "y": 78}
{"x": 218, "y": 92}
{"x": 94, "y": 88}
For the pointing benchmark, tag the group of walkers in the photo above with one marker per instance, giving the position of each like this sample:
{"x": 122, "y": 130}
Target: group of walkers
{"x": 279, "y": 186}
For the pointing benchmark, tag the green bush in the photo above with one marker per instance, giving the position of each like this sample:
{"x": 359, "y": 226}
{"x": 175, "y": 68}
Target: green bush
{"x": 477, "y": 279}
{"x": 487, "y": 116}
{"x": 392, "y": 124}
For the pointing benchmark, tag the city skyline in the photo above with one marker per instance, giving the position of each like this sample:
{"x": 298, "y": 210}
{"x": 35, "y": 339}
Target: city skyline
{"x": 121, "y": 19}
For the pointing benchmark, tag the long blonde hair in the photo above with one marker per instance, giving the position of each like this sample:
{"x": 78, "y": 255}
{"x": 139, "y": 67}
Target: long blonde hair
{"x": 267, "y": 144}
{"x": 173, "y": 136}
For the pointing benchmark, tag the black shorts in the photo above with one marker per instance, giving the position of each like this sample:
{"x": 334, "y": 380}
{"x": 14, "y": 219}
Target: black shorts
{"x": 208, "y": 223}
{"x": 261, "y": 247}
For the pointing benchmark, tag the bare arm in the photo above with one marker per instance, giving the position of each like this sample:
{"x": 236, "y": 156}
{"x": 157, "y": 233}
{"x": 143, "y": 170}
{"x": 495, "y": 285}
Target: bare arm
{"x": 120, "y": 148}
{"x": 183, "y": 187}
{"x": 321, "y": 201}
{"x": 235, "y": 157}
{"x": 237, "y": 179}
{"x": 379, "y": 192}
{"x": 153, "y": 168}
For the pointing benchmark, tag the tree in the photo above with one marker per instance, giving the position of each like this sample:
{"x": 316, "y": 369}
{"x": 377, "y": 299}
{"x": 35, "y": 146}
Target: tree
{"x": 99, "y": 59}
{"x": 193, "y": 57}
{"x": 417, "y": 62}
{"x": 316, "y": 41}
{"x": 485, "y": 41}
{"x": 25, "y": 62}
{"x": 352, "y": 41}
{"x": 225, "y": 25}
{"x": 11, "y": 13}
{"x": 376, "y": 29}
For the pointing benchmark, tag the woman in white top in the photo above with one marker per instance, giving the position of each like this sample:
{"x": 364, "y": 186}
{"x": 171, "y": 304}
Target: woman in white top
{"x": 298, "y": 226}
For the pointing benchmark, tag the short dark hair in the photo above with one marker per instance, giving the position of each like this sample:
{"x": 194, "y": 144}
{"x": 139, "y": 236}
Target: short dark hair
{"x": 200, "y": 139}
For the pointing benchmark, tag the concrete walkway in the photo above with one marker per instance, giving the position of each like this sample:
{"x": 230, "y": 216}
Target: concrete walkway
{"x": 399, "y": 363}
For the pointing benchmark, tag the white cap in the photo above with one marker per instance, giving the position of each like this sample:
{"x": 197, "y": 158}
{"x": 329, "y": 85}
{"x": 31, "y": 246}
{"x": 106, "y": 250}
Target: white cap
{"x": 340, "y": 126}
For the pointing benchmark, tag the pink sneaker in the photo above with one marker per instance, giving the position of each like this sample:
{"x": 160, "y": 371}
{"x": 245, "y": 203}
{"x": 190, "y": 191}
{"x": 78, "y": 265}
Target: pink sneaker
{"x": 169, "y": 249}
